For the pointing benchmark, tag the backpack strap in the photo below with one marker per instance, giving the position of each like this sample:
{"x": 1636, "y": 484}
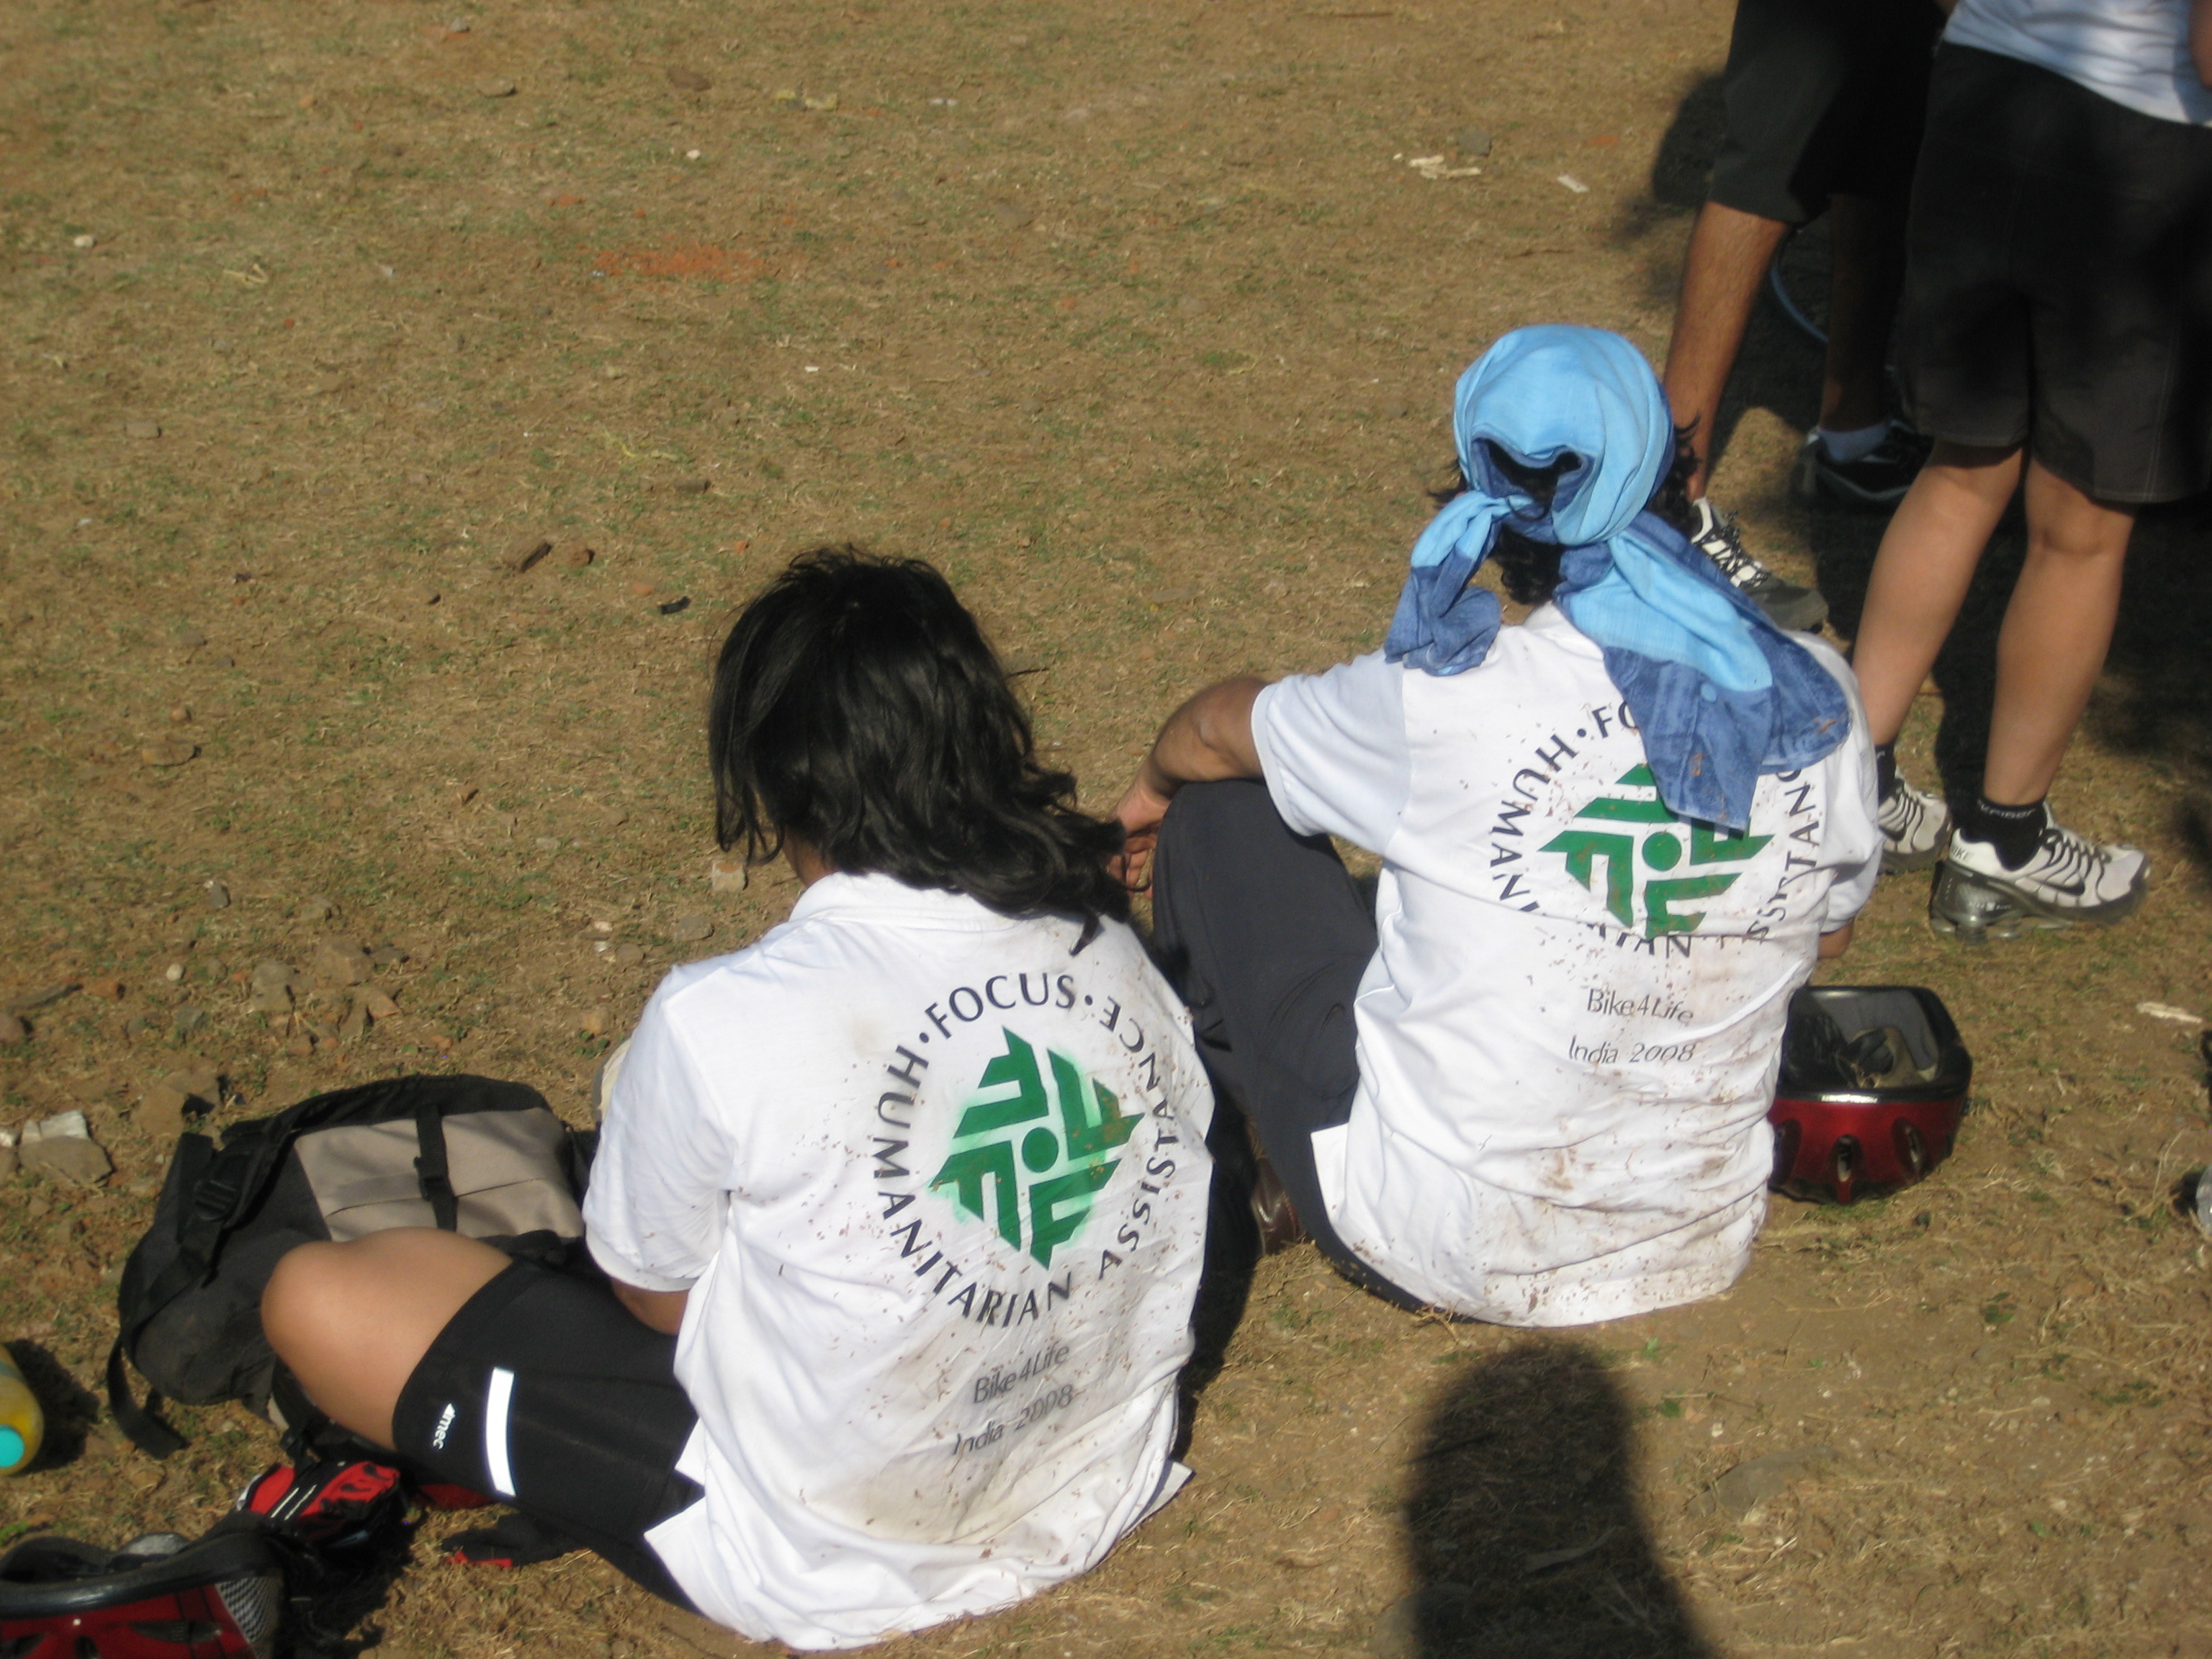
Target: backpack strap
{"x": 216, "y": 1188}
{"x": 432, "y": 1172}
{"x": 147, "y": 1432}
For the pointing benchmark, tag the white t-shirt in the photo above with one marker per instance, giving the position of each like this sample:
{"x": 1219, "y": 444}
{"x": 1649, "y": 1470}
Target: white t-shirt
{"x": 938, "y": 1188}
{"x": 1568, "y": 1034}
{"x": 2135, "y": 52}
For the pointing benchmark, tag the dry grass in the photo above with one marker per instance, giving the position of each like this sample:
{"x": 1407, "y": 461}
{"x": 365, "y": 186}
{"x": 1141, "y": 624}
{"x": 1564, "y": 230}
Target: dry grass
{"x": 1132, "y": 317}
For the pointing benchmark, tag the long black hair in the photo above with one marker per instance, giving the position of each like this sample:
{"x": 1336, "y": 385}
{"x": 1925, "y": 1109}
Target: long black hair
{"x": 1529, "y": 568}
{"x": 857, "y": 708}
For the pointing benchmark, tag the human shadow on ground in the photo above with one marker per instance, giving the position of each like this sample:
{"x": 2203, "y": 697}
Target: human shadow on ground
{"x": 1683, "y": 161}
{"x": 1232, "y": 1255}
{"x": 1525, "y": 1536}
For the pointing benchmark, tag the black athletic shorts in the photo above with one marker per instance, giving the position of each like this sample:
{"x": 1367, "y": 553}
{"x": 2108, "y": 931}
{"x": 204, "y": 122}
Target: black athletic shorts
{"x": 546, "y": 1392}
{"x": 1824, "y": 99}
{"x": 2058, "y": 279}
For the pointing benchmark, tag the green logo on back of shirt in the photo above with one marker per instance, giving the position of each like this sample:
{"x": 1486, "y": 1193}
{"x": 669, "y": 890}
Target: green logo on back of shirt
{"x": 1662, "y": 848}
{"x": 1041, "y": 1179}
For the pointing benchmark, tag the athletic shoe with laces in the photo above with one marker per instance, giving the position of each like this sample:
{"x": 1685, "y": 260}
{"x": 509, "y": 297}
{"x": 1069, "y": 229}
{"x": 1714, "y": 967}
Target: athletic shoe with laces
{"x": 2070, "y": 879}
{"x": 1878, "y": 478}
{"x": 1714, "y": 533}
{"x": 1914, "y": 827}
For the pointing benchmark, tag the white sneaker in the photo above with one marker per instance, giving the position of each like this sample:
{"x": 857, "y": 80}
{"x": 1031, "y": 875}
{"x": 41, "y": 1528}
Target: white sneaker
{"x": 1914, "y": 826}
{"x": 1787, "y": 605}
{"x": 2069, "y": 880}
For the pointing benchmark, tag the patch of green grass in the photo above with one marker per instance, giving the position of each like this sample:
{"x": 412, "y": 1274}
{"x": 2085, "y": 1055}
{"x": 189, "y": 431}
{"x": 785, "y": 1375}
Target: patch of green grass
{"x": 2136, "y": 1391}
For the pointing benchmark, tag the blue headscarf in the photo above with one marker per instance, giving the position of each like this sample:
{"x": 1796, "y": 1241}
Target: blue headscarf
{"x": 1720, "y": 694}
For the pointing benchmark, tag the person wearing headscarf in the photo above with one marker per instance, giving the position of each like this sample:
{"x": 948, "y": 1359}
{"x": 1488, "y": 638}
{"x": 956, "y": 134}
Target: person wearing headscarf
{"x": 1529, "y": 1082}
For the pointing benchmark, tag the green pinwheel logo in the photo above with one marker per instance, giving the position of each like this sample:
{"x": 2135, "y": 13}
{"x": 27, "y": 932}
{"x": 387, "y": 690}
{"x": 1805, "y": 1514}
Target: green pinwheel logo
{"x": 1662, "y": 849}
{"x": 1062, "y": 1159}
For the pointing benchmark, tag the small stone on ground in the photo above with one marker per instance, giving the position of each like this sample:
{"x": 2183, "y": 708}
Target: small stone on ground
{"x": 341, "y": 962}
{"x": 525, "y": 552}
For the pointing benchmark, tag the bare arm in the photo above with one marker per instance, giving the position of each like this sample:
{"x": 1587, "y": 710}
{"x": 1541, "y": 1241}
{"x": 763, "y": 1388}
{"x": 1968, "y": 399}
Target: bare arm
{"x": 1207, "y": 740}
{"x": 1833, "y": 944}
{"x": 658, "y": 1310}
{"x": 2200, "y": 40}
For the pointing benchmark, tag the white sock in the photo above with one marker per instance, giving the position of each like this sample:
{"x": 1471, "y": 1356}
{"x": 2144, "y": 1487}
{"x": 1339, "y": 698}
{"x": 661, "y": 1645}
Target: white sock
{"x": 1855, "y": 445}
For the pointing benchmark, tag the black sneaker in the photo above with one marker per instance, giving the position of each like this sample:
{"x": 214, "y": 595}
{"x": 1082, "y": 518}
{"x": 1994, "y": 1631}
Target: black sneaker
{"x": 1714, "y": 534}
{"x": 1878, "y": 478}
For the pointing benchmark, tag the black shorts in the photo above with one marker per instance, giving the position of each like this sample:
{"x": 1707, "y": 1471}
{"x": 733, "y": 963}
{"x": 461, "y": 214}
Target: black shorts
{"x": 2058, "y": 281}
{"x": 1824, "y": 99}
{"x": 546, "y": 1392}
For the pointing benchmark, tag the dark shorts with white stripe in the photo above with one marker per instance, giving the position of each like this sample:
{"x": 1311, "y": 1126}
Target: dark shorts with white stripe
{"x": 547, "y": 1393}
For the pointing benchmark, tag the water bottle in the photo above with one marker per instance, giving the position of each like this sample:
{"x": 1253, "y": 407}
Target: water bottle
{"x": 22, "y": 1424}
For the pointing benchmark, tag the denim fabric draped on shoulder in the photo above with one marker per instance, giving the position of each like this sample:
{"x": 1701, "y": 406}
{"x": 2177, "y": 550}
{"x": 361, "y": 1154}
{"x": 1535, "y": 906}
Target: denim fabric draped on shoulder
{"x": 1720, "y": 694}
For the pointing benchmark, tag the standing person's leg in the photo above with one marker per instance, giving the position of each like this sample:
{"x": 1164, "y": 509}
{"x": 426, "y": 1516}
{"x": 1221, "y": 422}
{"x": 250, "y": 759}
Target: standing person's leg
{"x": 1265, "y": 936}
{"x": 1856, "y": 454}
{"x": 1866, "y": 241}
{"x": 1920, "y": 576}
{"x": 2007, "y": 861}
{"x": 1966, "y": 361}
{"x": 2054, "y": 242}
{"x": 2056, "y": 630}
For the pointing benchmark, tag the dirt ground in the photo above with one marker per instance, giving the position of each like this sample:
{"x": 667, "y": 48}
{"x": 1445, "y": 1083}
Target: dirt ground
{"x": 1137, "y": 320}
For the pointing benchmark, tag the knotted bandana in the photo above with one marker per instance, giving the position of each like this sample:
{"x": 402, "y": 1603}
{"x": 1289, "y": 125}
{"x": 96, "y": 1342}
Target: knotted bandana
{"x": 1719, "y": 693}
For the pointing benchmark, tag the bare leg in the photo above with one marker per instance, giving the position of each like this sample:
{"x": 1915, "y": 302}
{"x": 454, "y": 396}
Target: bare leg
{"x": 353, "y": 1320}
{"x": 1921, "y": 574}
{"x": 1866, "y": 240}
{"x": 1729, "y": 253}
{"x": 2058, "y": 627}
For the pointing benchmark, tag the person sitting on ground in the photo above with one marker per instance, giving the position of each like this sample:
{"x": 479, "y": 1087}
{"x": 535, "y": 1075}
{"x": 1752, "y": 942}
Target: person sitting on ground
{"x": 901, "y": 1208}
{"x": 1529, "y": 1083}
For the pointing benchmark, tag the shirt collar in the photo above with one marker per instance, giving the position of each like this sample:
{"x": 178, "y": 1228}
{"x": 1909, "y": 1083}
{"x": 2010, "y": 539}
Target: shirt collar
{"x": 1549, "y": 623}
{"x": 877, "y": 895}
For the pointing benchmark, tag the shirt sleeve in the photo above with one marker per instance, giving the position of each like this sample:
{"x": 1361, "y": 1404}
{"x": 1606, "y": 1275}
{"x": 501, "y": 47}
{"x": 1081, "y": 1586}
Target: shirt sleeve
{"x": 1333, "y": 750}
{"x": 653, "y": 1210}
{"x": 1851, "y": 848}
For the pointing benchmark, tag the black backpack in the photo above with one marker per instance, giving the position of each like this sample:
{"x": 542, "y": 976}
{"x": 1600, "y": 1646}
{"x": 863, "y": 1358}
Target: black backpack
{"x": 468, "y": 1154}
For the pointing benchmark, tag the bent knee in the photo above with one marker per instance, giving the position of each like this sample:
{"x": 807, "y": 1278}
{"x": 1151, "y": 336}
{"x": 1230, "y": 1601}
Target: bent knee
{"x": 296, "y": 1291}
{"x": 317, "y": 1285}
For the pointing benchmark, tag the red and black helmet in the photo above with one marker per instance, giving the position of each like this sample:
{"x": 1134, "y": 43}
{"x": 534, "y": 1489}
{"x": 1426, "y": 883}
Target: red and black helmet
{"x": 158, "y": 1597}
{"x": 1874, "y": 1082}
